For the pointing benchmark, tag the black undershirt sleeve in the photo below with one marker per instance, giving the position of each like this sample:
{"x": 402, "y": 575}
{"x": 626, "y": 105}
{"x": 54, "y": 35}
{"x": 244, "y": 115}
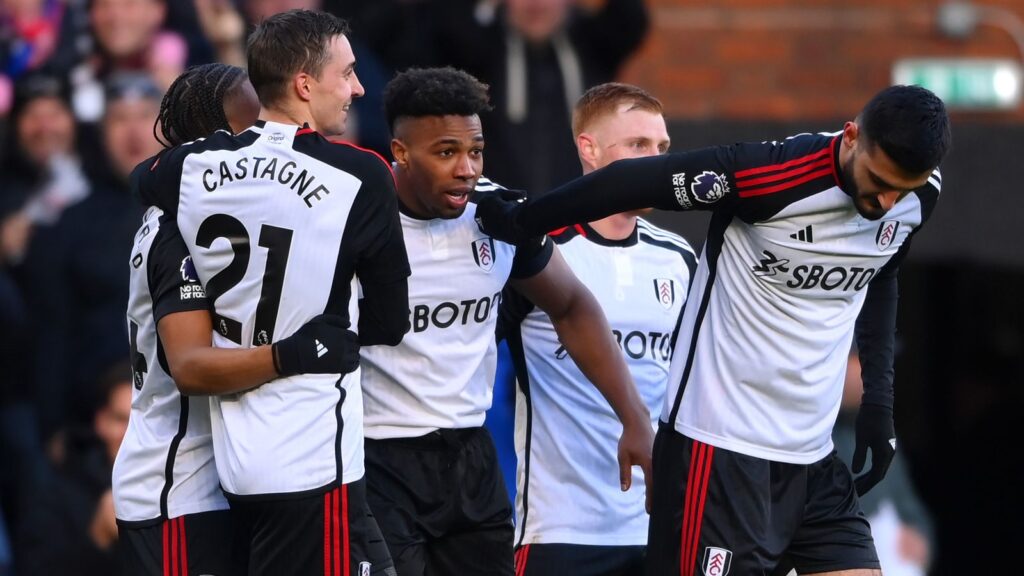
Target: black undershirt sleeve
{"x": 876, "y": 333}
{"x": 666, "y": 182}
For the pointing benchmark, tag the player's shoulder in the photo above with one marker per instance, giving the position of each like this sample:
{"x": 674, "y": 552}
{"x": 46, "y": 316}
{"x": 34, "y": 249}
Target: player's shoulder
{"x": 659, "y": 237}
{"x": 928, "y": 195}
{"x": 364, "y": 163}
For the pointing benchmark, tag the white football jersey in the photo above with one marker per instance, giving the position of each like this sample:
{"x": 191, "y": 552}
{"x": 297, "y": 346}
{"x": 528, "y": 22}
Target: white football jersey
{"x": 566, "y": 432}
{"x": 164, "y": 468}
{"x": 278, "y": 221}
{"x": 760, "y": 359}
{"x": 442, "y": 374}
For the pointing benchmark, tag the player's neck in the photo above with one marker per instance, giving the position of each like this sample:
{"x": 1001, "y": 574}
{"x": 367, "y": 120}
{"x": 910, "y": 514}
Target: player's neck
{"x": 615, "y": 227}
{"x": 285, "y": 115}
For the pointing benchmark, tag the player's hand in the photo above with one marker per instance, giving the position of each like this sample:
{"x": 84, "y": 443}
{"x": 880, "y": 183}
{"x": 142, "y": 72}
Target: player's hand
{"x": 496, "y": 214}
{"x": 635, "y": 447}
{"x": 324, "y": 345}
{"x": 875, "y": 430}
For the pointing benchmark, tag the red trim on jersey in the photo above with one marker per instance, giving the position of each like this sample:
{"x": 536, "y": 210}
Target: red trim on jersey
{"x": 579, "y": 228}
{"x": 558, "y": 231}
{"x": 165, "y": 541}
{"x": 327, "y": 534}
{"x": 786, "y": 185}
{"x": 345, "y": 535}
{"x": 386, "y": 163}
{"x": 835, "y": 160}
{"x": 755, "y": 182}
{"x": 304, "y": 131}
{"x": 184, "y": 547}
{"x": 783, "y": 166}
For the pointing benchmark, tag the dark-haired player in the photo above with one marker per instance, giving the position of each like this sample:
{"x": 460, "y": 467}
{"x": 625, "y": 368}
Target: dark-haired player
{"x": 279, "y": 222}
{"x": 434, "y": 480}
{"x": 172, "y": 516}
{"x": 802, "y": 253}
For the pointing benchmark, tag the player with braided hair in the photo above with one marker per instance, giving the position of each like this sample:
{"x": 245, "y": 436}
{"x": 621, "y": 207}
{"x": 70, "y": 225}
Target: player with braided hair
{"x": 185, "y": 111}
{"x": 171, "y": 513}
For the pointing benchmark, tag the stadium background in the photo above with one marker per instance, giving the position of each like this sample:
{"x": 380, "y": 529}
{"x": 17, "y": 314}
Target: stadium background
{"x": 726, "y": 70}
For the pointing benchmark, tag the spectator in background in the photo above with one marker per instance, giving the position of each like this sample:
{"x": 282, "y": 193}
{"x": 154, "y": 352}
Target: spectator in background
{"x": 129, "y": 37}
{"x": 900, "y": 524}
{"x": 75, "y": 272}
{"x": 43, "y": 172}
{"x": 538, "y": 56}
{"x": 38, "y": 35}
{"x": 68, "y": 524}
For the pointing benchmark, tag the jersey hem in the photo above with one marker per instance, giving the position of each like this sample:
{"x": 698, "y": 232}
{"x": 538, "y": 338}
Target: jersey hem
{"x": 263, "y": 496}
{"x": 203, "y": 506}
{"x": 774, "y": 455}
{"x": 613, "y": 539}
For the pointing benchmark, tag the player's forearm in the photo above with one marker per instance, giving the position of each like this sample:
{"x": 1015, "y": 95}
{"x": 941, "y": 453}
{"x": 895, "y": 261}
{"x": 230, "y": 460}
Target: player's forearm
{"x": 620, "y": 187}
{"x": 210, "y": 371}
{"x": 876, "y": 340}
{"x": 587, "y": 337}
{"x": 384, "y": 313}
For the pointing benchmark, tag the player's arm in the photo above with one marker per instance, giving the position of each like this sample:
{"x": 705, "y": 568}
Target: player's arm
{"x": 185, "y": 327}
{"x": 584, "y": 331}
{"x": 381, "y": 263}
{"x": 199, "y": 368}
{"x": 876, "y": 343}
{"x": 156, "y": 180}
{"x": 694, "y": 180}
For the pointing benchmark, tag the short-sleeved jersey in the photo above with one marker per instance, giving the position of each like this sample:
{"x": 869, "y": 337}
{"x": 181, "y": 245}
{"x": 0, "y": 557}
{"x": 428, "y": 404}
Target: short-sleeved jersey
{"x": 442, "y": 374}
{"x": 278, "y": 221}
{"x": 761, "y": 354}
{"x": 164, "y": 468}
{"x": 566, "y": 432}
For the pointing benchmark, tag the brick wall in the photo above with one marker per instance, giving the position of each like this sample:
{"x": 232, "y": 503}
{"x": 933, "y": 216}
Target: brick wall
{"x": 796, "y": 59}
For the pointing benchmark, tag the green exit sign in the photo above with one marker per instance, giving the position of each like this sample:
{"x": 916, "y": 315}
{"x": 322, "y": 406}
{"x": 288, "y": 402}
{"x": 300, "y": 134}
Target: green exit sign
{"x": 965, "y": 83}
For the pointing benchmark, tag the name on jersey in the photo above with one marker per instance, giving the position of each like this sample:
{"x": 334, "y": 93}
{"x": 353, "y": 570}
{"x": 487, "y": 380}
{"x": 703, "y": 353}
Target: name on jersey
{"x": 287, "y": 174}
{"x": 447, "y": 314}
{"x": 637, "y": 345}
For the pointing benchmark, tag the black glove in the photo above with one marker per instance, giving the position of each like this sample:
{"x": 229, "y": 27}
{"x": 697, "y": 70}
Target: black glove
{"x": 875, "y": 430}
{"x": 324, "y": 345}
{"x": 497, "y": 212}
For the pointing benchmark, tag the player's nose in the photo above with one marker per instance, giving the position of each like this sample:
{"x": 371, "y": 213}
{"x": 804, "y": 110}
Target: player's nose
{"x": 464, "y": 167}
{"x": 887, "y": 199}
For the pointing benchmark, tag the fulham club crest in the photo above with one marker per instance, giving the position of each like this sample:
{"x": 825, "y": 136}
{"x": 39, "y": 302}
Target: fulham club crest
{"x": 886, "y": 233}
{"x": 665, "y": 292}
{"x": 717, "y": 561}
{"x": 483, "y": 253}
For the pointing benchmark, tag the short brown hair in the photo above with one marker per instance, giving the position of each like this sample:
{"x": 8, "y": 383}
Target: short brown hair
{"x": 286, "y": 44}
{"x": 605, "y": 98}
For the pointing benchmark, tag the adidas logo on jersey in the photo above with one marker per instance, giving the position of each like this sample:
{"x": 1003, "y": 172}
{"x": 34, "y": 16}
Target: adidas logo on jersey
{"x": 803, "y": 235}
{"x": 320, "y": 349}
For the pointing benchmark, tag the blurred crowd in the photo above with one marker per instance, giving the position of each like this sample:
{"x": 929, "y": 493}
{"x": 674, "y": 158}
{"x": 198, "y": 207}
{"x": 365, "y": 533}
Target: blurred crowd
{"x": 80, "y": 87}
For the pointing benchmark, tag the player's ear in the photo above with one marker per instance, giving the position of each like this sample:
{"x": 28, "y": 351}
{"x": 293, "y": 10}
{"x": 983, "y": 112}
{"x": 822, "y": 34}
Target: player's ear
{"x": 850, "y": 133}
{"x": 589, "y": 152}
{"x": 399, "y": 152}
{"x": 302, "y": 84}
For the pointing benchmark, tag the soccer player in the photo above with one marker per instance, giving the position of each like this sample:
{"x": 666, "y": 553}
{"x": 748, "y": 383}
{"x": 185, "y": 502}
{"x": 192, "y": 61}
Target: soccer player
{"x": 434, "y": 480}
{"x": 571, "y": 518}
{"x": 167, "y": 497}
{"x": 805, "y": 240}
{"x": 279, "y": 221}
